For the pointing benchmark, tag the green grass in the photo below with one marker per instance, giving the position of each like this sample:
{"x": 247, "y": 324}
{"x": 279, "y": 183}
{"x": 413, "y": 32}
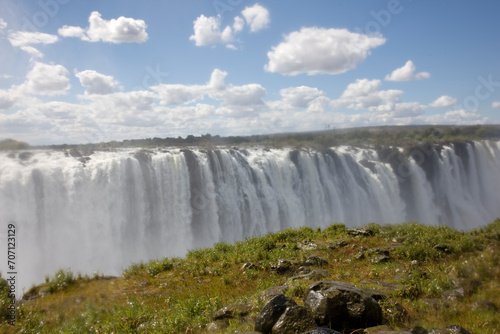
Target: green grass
{"x": 174, "y": 295}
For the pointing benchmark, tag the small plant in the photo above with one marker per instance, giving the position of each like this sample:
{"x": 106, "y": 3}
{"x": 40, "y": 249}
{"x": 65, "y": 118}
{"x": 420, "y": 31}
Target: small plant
{"x": 62, "y": 280}
{"x": 156, "y": 267}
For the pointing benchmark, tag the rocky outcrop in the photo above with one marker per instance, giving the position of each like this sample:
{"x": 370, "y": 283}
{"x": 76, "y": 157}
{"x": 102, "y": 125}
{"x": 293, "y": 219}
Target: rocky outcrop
{"x": 342, "y": 305}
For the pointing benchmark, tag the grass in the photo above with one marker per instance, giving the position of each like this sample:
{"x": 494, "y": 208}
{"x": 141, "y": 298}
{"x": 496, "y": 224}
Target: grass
{"x": 174, "y": 295}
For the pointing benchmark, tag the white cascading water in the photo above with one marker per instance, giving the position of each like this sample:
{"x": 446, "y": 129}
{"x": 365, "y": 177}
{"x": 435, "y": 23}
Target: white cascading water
{"x": 121, "y": 207}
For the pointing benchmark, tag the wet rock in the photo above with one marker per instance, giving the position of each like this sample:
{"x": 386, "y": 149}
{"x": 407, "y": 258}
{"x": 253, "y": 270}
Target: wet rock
{"x": 315, "y": 261}
{"x": 454, "y": 329}
{"x": 271, "y": 312}
{"x": 233, "y": 311}
{"x": 295, "y": 319}
{"x": 342, "y": 305}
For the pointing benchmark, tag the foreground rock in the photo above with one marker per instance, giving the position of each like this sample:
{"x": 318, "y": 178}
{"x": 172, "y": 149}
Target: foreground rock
{"x": 295, "y": 320}
{"x": 271, "y": 312}
{"x": 342, "y": 305}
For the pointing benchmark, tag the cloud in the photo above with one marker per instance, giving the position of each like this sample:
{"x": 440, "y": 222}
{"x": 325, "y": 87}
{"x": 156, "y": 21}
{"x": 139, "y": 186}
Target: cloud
{"x": 96, "y": 83}
{"x": 235, "y": 100}
{"x": 25, "y": 39}
{"x": 44, "y": 79}
{"x": 443, "y": 101}
{"x": 297, "y": 97}
{"x": 319, "y": 51}
{"x": 495, "y": 104}
{"x": 207, "y": 31}
{"x": 257, "y": 17}
{"x": 406, "y": 73}
{"x": 120, "y": 30}
{"x": 3, "y": 24}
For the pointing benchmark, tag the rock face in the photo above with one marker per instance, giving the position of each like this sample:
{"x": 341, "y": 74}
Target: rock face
{"x": 342, "y": 305}
{"x": 271, "y": 312}
{"x": 295, "y": 320}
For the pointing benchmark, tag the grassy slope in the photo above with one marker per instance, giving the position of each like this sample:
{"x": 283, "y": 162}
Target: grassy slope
{"x": 181, "y": 295}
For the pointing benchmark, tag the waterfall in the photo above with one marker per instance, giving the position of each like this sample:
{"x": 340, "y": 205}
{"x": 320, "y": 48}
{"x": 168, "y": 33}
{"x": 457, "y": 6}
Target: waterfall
{"x": 109, "y": 209}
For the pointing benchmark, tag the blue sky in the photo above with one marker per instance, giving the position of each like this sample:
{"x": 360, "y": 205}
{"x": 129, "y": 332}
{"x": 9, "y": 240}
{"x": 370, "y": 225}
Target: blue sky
{"x": 90, "y": 71}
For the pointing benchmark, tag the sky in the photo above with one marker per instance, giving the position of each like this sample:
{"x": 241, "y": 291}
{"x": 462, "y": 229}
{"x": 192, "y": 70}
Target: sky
{"x": 79, "y": 72}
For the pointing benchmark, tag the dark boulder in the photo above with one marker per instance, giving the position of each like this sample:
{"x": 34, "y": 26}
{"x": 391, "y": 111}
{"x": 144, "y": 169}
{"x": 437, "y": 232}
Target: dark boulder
{"x": 295, "y": 320}
{"x": 271, "y": 312}
{"x": 342, "y": 305}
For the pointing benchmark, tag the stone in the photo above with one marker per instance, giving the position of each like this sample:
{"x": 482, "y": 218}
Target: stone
{"x": 396, "y": 312}
{"x": 307, "y": 245}
{"x": 315, "y": 261}
{"x": 359, "y": 231}
{"x": 217, "y": 325}
{"x": 442, "y": 248}
{"x": 375, "y": 329}
{"x": 419, "y": 330}
{"x": 454, "y": 295}
{"x": 271, "y": 312}
{"x": 453, "y": 329}
{"x": 272, "y": 292}
{"x": 323, "y": 330}
{"x": 295, "y": 320}
{"x": 484, "y": 305}
{"x": 381, "y": 258}
{"x": 375, "y": 294}
{"x": 233, "y": 311}
{"x": 248, "y": 265}
{"x": 314, "y": 275}
{"x": 282, "y": 266}
{"x": 342, "y": 305}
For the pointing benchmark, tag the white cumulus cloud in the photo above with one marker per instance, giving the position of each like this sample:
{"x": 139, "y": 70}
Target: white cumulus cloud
{"x": 407, "y": 73}
{"x": 443, "y": 101}
{"x": 45, "y": 79}
{"x": 25, "y": 39}
{"x": 96, "y": 83}
{"x": 120, "y": 30}
{"x": 207, "y": 31}
{"x": 318, "y": 50}
{"x": 257, "y": 17}
{"x": 495, "y": 104}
